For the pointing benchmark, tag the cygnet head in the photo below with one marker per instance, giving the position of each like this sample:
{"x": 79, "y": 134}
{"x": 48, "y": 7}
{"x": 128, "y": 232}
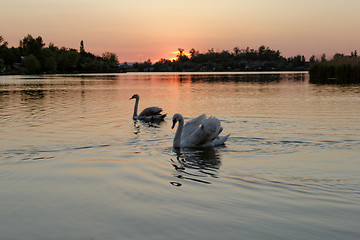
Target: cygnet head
{"x": 175, "y": 119}
{"x": 134, "y": 96}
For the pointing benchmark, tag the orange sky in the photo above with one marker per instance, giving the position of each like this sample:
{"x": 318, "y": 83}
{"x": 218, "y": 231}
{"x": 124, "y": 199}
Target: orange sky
{"x": 137, "y": 30}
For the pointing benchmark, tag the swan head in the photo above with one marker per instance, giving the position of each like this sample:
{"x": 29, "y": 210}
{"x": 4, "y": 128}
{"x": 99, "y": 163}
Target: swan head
{"x": 177, "y": 117}
{"x": 134, "y": 96}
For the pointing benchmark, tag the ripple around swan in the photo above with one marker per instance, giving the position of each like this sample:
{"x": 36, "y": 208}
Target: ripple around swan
{"x": 279, "y": 146}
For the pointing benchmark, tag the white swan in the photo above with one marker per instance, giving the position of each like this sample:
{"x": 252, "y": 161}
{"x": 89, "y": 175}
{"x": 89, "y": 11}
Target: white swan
{"x": 198, "y": 132}
{"x": 150, "y": 113}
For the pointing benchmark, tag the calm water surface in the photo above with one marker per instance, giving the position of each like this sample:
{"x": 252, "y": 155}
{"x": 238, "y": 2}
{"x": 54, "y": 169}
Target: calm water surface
{"x": 74, "y": 165}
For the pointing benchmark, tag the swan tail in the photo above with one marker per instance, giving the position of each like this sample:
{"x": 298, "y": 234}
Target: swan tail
{"x": 159, "y": 117}
{"x": 220, "y": 140}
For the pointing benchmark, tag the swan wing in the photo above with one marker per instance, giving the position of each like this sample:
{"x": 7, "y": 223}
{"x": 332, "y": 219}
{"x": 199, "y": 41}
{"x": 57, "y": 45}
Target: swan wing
{"x": 203, "y": 135}
{"x": 211, "y": 128}
{"x": 193, "y": 125}
{"x": 150, "y": 111}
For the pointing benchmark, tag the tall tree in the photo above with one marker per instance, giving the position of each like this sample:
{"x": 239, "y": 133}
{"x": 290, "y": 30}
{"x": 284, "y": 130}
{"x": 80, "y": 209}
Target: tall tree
{"x": 111, "y": 59}
{"x": 31, "y": 45}
{"x": 193, "y": 52}
{"x": 82, "y": 48}
{"x": 323, "y": 57}
{"x": 31, "y": 63}
{"x": 181, "y": 55}
{"x": 236, "y": 51}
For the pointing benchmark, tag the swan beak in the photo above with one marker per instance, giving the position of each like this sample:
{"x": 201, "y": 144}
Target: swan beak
{"x": 131, "y": 98}
{"x": 174, "y": 122}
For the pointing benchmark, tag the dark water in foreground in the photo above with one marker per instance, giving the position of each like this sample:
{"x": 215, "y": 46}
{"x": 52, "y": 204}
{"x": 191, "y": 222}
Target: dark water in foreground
{"x": 74, "y": 165}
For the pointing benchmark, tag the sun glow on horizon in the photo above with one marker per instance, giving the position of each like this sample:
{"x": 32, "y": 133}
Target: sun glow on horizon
{"x": 288, "y": 26}
{"x": 176, "y": 53}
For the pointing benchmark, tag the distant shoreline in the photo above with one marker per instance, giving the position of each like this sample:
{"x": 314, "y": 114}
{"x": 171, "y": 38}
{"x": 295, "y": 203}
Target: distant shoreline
{"x": 33, "y": 58}
{"x": 167, "y": 73}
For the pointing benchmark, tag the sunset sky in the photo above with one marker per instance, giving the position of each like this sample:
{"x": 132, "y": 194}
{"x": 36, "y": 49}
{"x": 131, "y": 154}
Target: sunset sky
{"x": 137, "y": 30}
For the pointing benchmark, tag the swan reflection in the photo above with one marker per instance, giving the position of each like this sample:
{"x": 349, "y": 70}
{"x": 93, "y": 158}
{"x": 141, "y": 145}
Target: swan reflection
{"x": 138, "y": 124}
{"x": 195, "y": 164}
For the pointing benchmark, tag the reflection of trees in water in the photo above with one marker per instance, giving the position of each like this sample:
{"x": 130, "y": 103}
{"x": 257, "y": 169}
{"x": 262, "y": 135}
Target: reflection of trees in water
{"x": 94, "y": 77}
{"x": 262, "y": 78}
{"x": 32, "y": 92}
{"x": 236, "y": 78}
{"x": 195, "y": 164}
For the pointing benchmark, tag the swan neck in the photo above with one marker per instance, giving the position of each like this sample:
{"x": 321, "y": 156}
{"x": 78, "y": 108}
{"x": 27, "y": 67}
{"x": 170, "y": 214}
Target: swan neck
{"x": 136, "y": 107}
{"x": 177, "y": 138}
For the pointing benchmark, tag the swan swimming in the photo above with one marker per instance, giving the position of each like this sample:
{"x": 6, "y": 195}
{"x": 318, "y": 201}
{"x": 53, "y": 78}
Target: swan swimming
{"x": 150, "y": 113}
{"x": 198, "y": 132}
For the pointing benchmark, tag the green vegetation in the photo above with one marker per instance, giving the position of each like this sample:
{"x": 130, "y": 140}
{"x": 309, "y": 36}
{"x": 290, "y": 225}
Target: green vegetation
{"x": 32, "y": 57}
{"x": 339, "y": 70}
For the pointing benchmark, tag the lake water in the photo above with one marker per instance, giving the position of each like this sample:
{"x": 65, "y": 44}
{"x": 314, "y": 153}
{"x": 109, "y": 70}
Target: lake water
{"x": 74, "y": 165}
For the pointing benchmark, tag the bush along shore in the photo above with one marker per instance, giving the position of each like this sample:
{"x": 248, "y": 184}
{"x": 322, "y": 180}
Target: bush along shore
{"x": 341, "y": 69}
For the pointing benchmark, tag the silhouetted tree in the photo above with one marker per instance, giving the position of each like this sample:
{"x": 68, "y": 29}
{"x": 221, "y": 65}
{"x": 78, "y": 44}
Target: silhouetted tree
{"x": 31, "y": 64}
{"x": 181, "y": 55}
{"x": 354, "y": 54}
{"x": 30, "y": 45}
{"x": 82, "y": 48}
{"x": 312, "y": 59}
{"x": 193, "y": 52}
{"x": 68, "y": 60}
{"x": 323, "y": 57}
{"x": 2, "y": 42}
{"x": 6, "y": 54}
{"x": 53, "y": 47}
{"x": 236, "y": 51}
{"x": 111, "y": 59}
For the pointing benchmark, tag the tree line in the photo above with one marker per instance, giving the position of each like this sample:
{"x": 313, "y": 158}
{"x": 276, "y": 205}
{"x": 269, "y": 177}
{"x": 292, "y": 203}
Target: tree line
{"x": 261, "y": 59}
{"x": 33, "y": 57}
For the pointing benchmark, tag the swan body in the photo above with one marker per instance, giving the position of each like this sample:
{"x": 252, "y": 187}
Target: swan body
{"x": 150, "y": 113}
{"x": 198, "y": 132}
